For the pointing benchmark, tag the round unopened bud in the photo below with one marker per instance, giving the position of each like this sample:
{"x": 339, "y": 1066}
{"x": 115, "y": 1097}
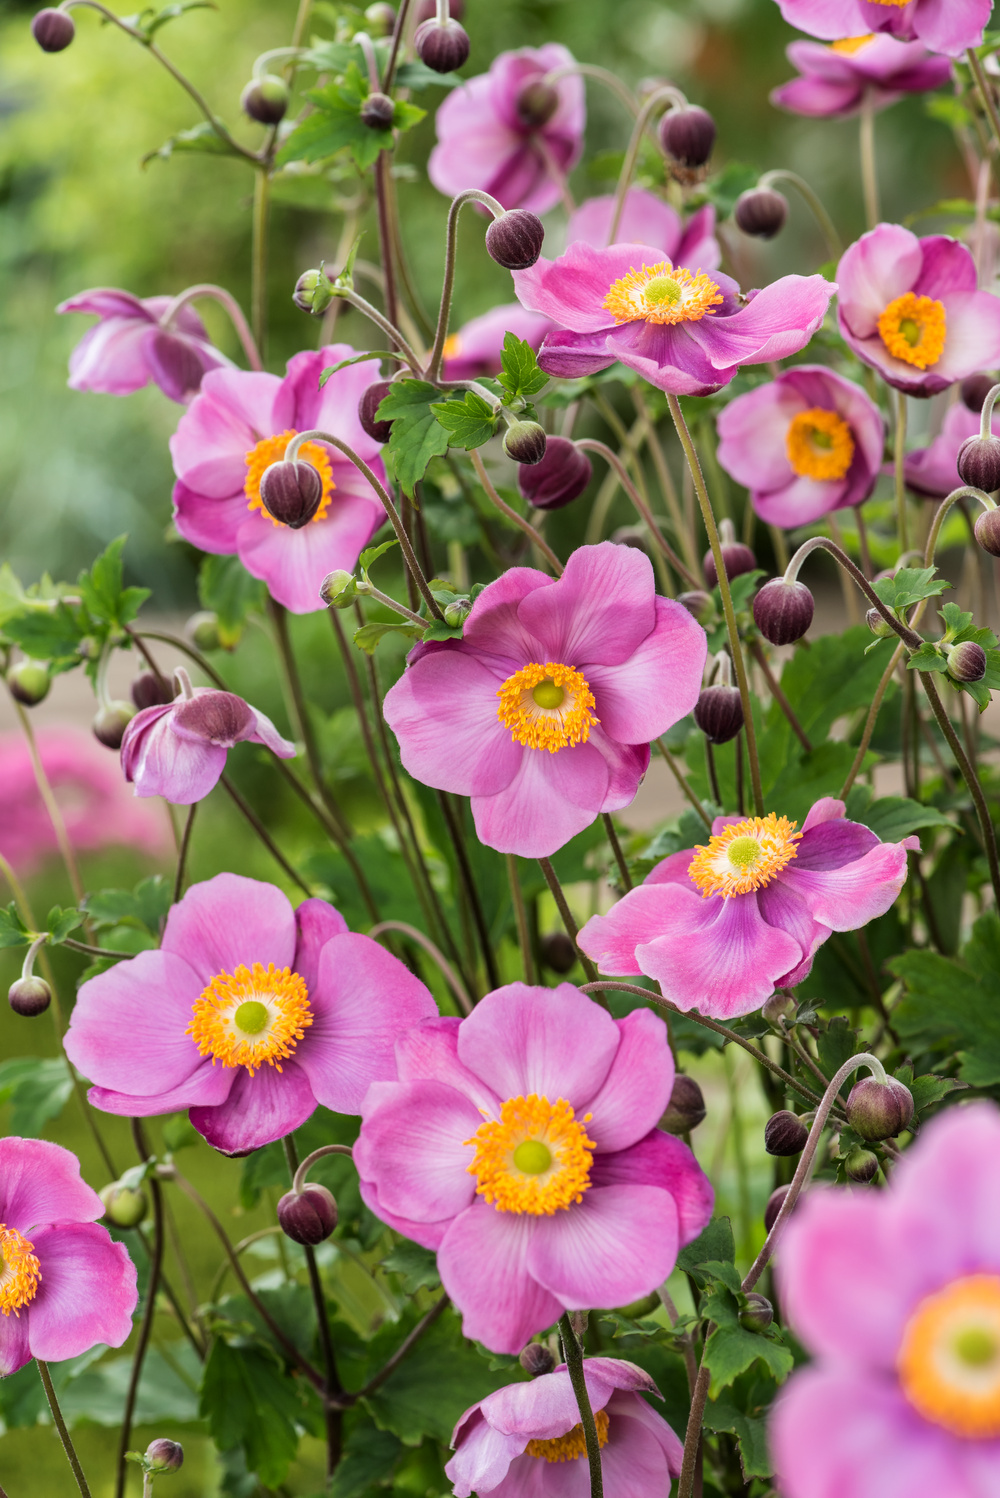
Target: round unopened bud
{"x": 313, "y": 292}
{"x": 987, "y": 530}
{"x": 736, "y": 558}
{"x": 757, "y": 1314}
{"x": 202, "y": 629}
{"x": 111, "y": 721}
{"x": 861, "y": 1166}
{"x": 339, "y": 589}
{"x": 879, "y": 1110}
{"x": 308, "y": 1216}
{"x": 536, "y": 1359}
{"x": 29, "y": 682}
{"x": 536, "y": 104}
{"x": 698, "y": 604}
{"x": 164, "y": 1455}
{"x": 719, "y": 713}
{"x": 686, "y": 1108}
{"x": 378, "y": 431}
{"x": 785, "y": 1133}
{"x": 291, "y": 492}
{"x": 688, "y": 135}
{"x": 560, "y": 477}
{"x": 381, "y": 17}
{"x": 266, "y": 100}
{"x": 150, "y": 690}
{"x": 778, "y": 1007}
{"x": 979, "y": 463}
{"x": 29, "y": 996}
{"x": 967, "y": 661}
{"x": 975, "y": 388}
{"x": 558, "y": 952}
{"x": 524, "y": 441}
{"x": 783, "y": 611}
{"x": 878, "y": 624}
{"x": 774, "y": 1204}
{"x": 456, "y": 612}
{"x": 53, "y": 30}
{"x": 443, "y": 48}
{"x": 761, "y": 212}
{"x": 514, "y": 240}
{"x": 123, "y": 1206}
{"x": 377, "y": 111}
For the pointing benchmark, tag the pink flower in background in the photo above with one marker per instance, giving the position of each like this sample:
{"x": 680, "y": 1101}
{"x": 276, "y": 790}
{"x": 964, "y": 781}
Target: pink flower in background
{"x": 647, "y": 219}
{"x": 948, "y": 26}
{"x": 521, "y": 1144}
{"x": 544, "y": 710}
{"x": 240, "y": 423}
{"x": 909, "y": 307}
{"x": 64, "y": 1285}
{"x": 896, "y": 1294}
{"x": 96, "y": 806}
{"x": 475, "y": 349}
{"x": 803, "y": 444}
{"x": 683, "y": 332}
{"x": 249, "y": 1014}
{"x": 527, "y": 1438}
{"x": 933, "y": 470}
{"x": 721, "y": 927}
{"x": 510, "y": 134}
{"x": 835, "y": 81}
{"x": 129, "y": 346}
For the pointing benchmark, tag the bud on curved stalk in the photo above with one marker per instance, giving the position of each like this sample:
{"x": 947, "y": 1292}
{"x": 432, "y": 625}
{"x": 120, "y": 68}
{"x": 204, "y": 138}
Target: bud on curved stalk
{"x": 378, "y": 431}
{"x": 313, "y": 292}
{"x": 377, "y": 111}
{"x": 686, "y": 1108}
{"x": 291, "y": 492}
{"x": 266, "y": 99}
{"x": 536, "y": 104}
{"x": 558, "y": 952}
{"x": 785, "y": 1133}
{"x": 339, "y": 589}
{"x": 560, "y": 477}
{"x": 698, "y": 604}
{"x": 761, "y": 212}
{"x": 757, "y": 1314}
{"x": 441, "y": 46}
{"x": 687, "y": 135}
{"x": 164, "y": 1456}
{"x": 778, "y": 1007}
{"x": 456, "y": 612}
{"x": 736, "y": 557}
{"x": 987, "y": 529}
{"x": 29, "y": 996}
{"x": 28, "y": 682}
{"x": 879, "y": 1110}
{"x": 877, "y": 624}
{"x": 967, "y": 661}
{"x": 202, "y": 629}
{"x": 308, "y": 1216}
{"x": 514, "y": 240}
{"x": 536, "y": 1359}
{"x": 979, "y": 463}
{"x": 123, "y": 1207}
{"x": 150, "y": 690}
{"x": 719, "y": 713}
{"x": 525, "y": 441}
{"x": 783, "y": 611}
{"x": 975, "y": 388}
{"x": 381, "y": 18}
{"x": 111, "y": 721}
{"x": 53, "y": 30}
{"x": 861, "y": 1166}
{"x": 775, "y": 1202}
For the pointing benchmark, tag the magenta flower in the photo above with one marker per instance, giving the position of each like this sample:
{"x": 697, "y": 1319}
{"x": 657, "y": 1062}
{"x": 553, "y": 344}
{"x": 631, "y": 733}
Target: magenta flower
{"x": 509, "y": 133}
{"x": 943, "y": 27}
{"x": 909, "y": 307}
{"x": 130, "y": 346}
{"x": 683, "y": 332}
{"x": 720, "y": 927}
{"x": 239, "y": 424}
{"x": 896, "y": 1294}
{"x": 64, "y": 1285}
{"x": 543, "y": 712}
{"x": 804, "y": 444}
{"x": 835, "y": 81}
{"x": 647, "y": 219}
{"x": 475, "y": 349}
{"x": 249, "y": 1015}
{"x": 933, "y": 471}
{"x": 527, "y": 1438}
{"x": 521, "y": 1144}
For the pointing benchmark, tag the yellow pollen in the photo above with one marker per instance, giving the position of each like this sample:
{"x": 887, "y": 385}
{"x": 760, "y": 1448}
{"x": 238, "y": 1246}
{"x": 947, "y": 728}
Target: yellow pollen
{"x": 271, "y": 450}
{"x": 511, "y": 1167}
{"x": 855, "y": 43}
{"x": 19, "y": 1271}
{"x": 250, "y": 1017}
{"x": 547, "y": 707}
{"x": 949, "y": 1359}
{"x": 573, "y": 1444}
{"x": 744, "y": 857}
{"x": 819, "y": 444}
{"x": 663, "y": 293}
{"x": 913, "y": 328}
{"x": 452, "y": 346}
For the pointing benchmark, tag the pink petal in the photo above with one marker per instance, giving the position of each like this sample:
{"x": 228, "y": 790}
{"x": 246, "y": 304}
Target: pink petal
{"x": 663, "y": 1161}
{"x": 880, "y": 266}
{"x": 637, "y": 1088}
{"x": 430, "y": 1050}
{"x": 210, "y": 524}
{"x": 826, "y": 809}
{"x": 229, "y": 415}
{"x": 850, "y": 896}
{"x": 293, "y": 563}
{"x": 616, "y": 1245}
{"x": 265, "y": 733}
{"x": 207, "y": 1085}
{"x": 40, "y": 1182}
{"x": 831, "y": 844}
{"x": 303, "y": 404}
{"x": 610, "y": 940}
{"x": 646, "y": 219}
{"x": 108, "y": 301}
{"x": 87, "y": 1292}
{"x": 671, "y": 358}
{"x": 948, "y": 1194}
{"x": 258, "y": 1110}
{"x": 572, "y": 289}
{"x": 482, "y": 1263}
{"x": 753, "y": 430}
{"x": 495, "y": 627}
{"x": 658, "y": 684}
{"x": 427, "y": 1234}
{"x": 947, "y": 267}
{"x": 802, "y": 501}
{"x": 972, "y": 339}
{"x": 551, "y": 798}
{"x": 627, "y": 1411}
{"x": 415, "y": 1146}
{"x": 111, "y": 357}
{"x": 575, "y": 356}
{"x": 483, "y": 1456}
{"x": 779, "y": 321}
{"x": 699, "y": 249}
{"x": 160, "y": 763}
{"x": 14, "y": 1349}
{"x": 316, "y": 923}
{"x": 230, "y": 920}
{"x": 787, "y": 911}
{"x": 599, "y": 612}
{"x": 828, "y": 19}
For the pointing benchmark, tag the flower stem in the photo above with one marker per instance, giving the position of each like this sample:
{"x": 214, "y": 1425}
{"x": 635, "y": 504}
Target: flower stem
{"x": 397, "y": 37}
{"x": 899, "y": 472}
{"x": 591, "y": 444}
{"x": 971, "y": 780}
{"x": 332, "y": 1386}
{"x": 512, "y": 515}
{"x": 908, "y": 636}
{"x": 404, "y": 1347}
{"x": 649, "y": 108}
{"x": 869, "y": 170}
{"x": 448, "y": 972}
{"x": 616, "y": 849}
{"x": 182, "y": 853}
{"x": 521, "y": 917}
{"x": 258, "y": 826}
{"x": 572, "y": 931}
{"x": 681, "y": 779}
{"x": 833, "y": 244}
{"x": 149, "y": 1311}
{"x": 471, "y": 195}
{"x": 779, "y": 696}
{"x": 279, "y": 616}
{"x": 873, "y": 711}
{"x": 985, "y": 93}
{"x": 232, "y": 307}
{"x": 60, "y": 1424}
{"x": 573, "y": 1354}
{"x": 51, "y": 804}
{"x": 469, "y": 884}
{"x": 382, "y": 162}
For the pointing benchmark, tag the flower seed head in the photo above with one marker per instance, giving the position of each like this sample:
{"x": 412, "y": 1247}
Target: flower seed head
{"x": 558, "y": 952}
{"x": 441, "y": 48}
{"x": 339, "y": 589}
{"x": 536, "y": 104}
{"x": 879, "y": 1110}
{"x": 308, "y": 1216}
{"x": 381, "y": 18}
{"x": 29, "y": 996}
{"x": 783, "y": 611}
{"x": 987, "y": 530}
{"x": 877, "y": 624}
{"x": 774, "y": 1205}
{"x": 514, "y": 240}
{"x": 202, "y": 629}
{"x": 975, "y": 388}
{"x": 785, "y": 1133}
{"x": 150, "y": 690}
{"x": 698, "y": 604}
{"x": 377, "y": 111}
{"x": 313, "y": 292}
{"x": 719, "y": 713}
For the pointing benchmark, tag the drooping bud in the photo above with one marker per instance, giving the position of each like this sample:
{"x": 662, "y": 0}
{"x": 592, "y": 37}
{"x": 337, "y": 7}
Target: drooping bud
{"x": 29, "y": 996}
{"x": 879, "y": 1110}
{"x": 524, "y": 441}
{"x": 967, "y": 661}
{"x": 111, "y": 721}
{"x": 536, "y": 1359}
{"x": 979, "y": 463}
{"x": 861, "y": 1166}
{"x": 698, "y": 604}
{"x": 150, "y": 690}
{"x": 339, "y": 589}
{"x": 164, "y": 1455}
{"x": 514, "y": 240}
{"x": 381, "y": 17}
{"x": 308, "y": 1216}
{"x": 785, "y": 1133}
{"x": 987, "y": 530}
{"x": 783, "y": 611}
{"x": 536, "y": 104}
{"x": 778, "y": 1007}
{"x": 761, "y": 212}
{"x": 53, "y": 30}
{"x": 757, "y": 1314}
{"x": 214, "y": 718}
{"x": 377, "y": 111}
{"x": 719, "y": 713}
{"x": 774, "y": 1204}
{"x": 378, "y": 431}
{"x": 878, "y": 624}
{"x": 202, "y": 629}
{"x": 686, "y": 1108}
{"x": 29, "y": 682}
{"x": 688, "y": 135}
{"x": 123, "y": 1207}
{"x": 736, "y": 558}
{"x": 313, "y": 292}
{"x": 443, "y": 48}
{"x": 975, "y": 388}
{"x": 558, "y": 952}
{"x": 266, "y": 99}
{"x": 561, "y": 476}
{"x": 291, "y": 492}
{"x": 456, "y": 612}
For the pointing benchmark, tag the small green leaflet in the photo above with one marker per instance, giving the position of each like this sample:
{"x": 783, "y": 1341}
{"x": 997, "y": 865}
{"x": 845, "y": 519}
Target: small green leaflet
{"x": 520, "y": 374}
{"x": 13, "y": 931}
{"x": 336, "y": 124}
{"x": 202, "y": 138}
{"x": 226, "y": 588}
{"x": 469, "y": 422}
{"x": 368, "y": 636}
{"x": 908, "y": 586}
{"x": 417, "y": 435}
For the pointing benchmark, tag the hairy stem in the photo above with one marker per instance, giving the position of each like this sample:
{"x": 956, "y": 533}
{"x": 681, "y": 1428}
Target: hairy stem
{"x": 149, "y": 1311}
{"x": 573, "y": 1355}
{"x": 61, "y": 1427}
{"x": 970, "y": 777}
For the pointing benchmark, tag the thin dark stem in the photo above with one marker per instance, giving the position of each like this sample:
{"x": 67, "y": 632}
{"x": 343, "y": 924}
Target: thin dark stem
{"x": 573, "y": 1354}
{"x": 332, "y": 1385}
{"x": 262, "y": 832}
{"x": 344, "y": 847}
{"x": 182, "y": 853}
{"x": 179, "y": 644}
{"x": 823, "y": 543}
{"x": 437, "y": 956}
{"x": 385, "y": 235}
{"x": 397, "y": 37}
{"x": 590, "y": 444}
{"x": 448, "y": 278}
{"x": 873, "y": 712}
{"x": 404, "y": 1347}
{"x": 572, "y": 931}
{"x": 985, "y": 94}
{"x": 512, "y": 515}
{"x": 88, "y": 950}
{"x": 779, "y": 696}
{"x": 279, "y": 616}
{"x": 971, "y": 780}
{"x": 692, "y": 1440}
{"x": 616, "y": 849}
{"x": 686, "y": 790}
{"x": 149, "y": 1311}
{"x": 469, "y": 884}
{"x": 61, "y": 1427}
{"x": 713, "y": 775}
{"x": 521, "y": 918}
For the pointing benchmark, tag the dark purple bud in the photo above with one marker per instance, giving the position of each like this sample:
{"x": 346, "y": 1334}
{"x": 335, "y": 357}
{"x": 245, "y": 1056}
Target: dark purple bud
{"x": 561, "y": 476}
{"x": 219, "y": 718}
{"x": 313, "y": 292}
{"x": 879, "y": 1110}
{"x": 861, "y": 1166}
{"x": 123, "y": 1207}
{"x": 757, "y": 1314}
{"x": 175, "y": 366}
{"x": 979, "y": 463}
{"x": 151, "y": 690}
{"x": 291, "y": 492}
{"x": 688, "y": 135}
{"x": 987, "y": 530}
{"x": 536, "y": 104}
{"x": 53, "y": 30}
{"x": 441, "y": 48}
{"x": 878, "y": 624}
{"x": 266, "y": 100}
{"x": 377, "y": 111}
{"x": 427, "y": 9}
{"x": 29, "y": 682}
{"x": 785, "y": 1133}
{"x": 524, "y": 441}
{"x": 29, "y": 996}
{"x": 308, "y": 1216}
{"x": 202, "y": 629}
{"x": 164, "y": 1455}
{"x": 761, "y": 212}
{"x": 381, "y": 17}
{"x": 536, "y": 1359}
{"x": 967, "y": 661}
{"x": 558, "y": 952}
{"x": 369, "y": 403}
{"x": 110, "y": 723}
{"x": 783, "y": 611}
{"x": 686, "y": 1108}
{"x": 774, "y": 1205}
{"x": 975, "y": 388}
{"x": 515, "y": 239}
{"x": 719, "y": 713}
{"x": 736, "y": 558}
{"x": 698, "y": 604}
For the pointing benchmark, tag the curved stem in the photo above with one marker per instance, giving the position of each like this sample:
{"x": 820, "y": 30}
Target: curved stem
{"x": 873, "y": 712}
{"x": 404, "y": 1347}
{"x": 774, "y": 688}
{"x": 397, "y": 37}
{"x": 512, "y": 515}
{"x": 649, "y": 108}
{"x": 471, "y": 195}
{"x": 591, "y": 444}
{"x": 817, "y": 543}
{"x": 182, "y": 853}
{"x": 148, "y": 1313}
{"x": 815, "y": 202}
{"x": 355, "y": 299}
{"x": 258, "y": 826}
{"x": 521, "y": 918}
{"x": 869, "y": 170}
{"x": 970, "y": 777}
{"x": 573, "y": 1354}
{"x": 572, "y": 930}
{"x": 61, "y": 1427}
{"x": 279, "y": 617}
{"x": 301, "y": 1171}
{"x": 601, "y": 75}
{"x": 899, "y": 471}
{"x": 258, "y": 256}
{"x": 50, "y": 803}
{"x": 681, "y": 779}
{"x": 985, "y": 94}
{"x": 332, "y": 1387}
{"x": 231, "y": 306}
{"x": 616, "y": 849}
{"x": 965, "y": 492}
{"x": 451, "y": 977}
{"x": 382, "y": 164}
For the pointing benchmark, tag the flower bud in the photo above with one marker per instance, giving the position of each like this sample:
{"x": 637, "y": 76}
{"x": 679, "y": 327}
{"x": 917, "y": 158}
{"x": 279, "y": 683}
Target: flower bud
{"x": 774, "y": 1204}
{"x": 688, "y": 135}
{"x": 785, "y": 1133}
{"x": 761, "y": 212}
{"x": 524, "y": 441}
{"x": 686, "y": 1108}
{"x": 339, "y": 589}
{"x": 53, "y": 30}
{"x": 515, "y": 239}
{"x": 377, "y": 111}
{"x": 719, "y": 713}
{"x": 266, "y": 100}
{"x": 560, "y": 477}
{"x": 778, "y": 1007}
{"x": 29, "y": 996}
{"x": 861, "y": 1166}
{"x": 979, "y": 463}
{"x": 967, "y": 661}
{"x": 878, "y": 624}
{"x": 698, "y": 604}
{"x": 987, "y": 530}
{"x": 456, "y": 612}
{"x": 202, "y": 629}
{"x": 975, "y": 388}
{"x": 313, "y": 292}
{"x": 123, "y": 1207}
{"x": 164, "y": 1455}
{"x": 111, "y": 721}
{"x": 291, "y": 492}
{"x": 757, "y": 1314}
{"x": 381, "y": 18}
{"x": 150, "y": 690}
{"x": 443, "y": 48}
{"x": 308, "y": 1216}
{"x": 558, "y": 952}
{"x": 736, "y": 558}
{"x": 378, "y": 431}
{"x": 536, "y": 104}
{"x": 29, "y": 682}
{"x": 879, "y": 1110}
{"x": 783, "y": 611}
{"x": 536, "y": 1359}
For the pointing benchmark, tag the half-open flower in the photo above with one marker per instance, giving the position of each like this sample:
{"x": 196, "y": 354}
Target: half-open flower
{"x": 129, "y": 346}
{"x": 943, "y": 27}
{"x": 933, "y": 470}
{"x": 647, "y": 219}
{"x": 835, "y": 81}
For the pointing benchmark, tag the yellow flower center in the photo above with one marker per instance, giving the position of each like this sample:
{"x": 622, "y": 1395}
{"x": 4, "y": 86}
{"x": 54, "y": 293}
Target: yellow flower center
{"x": 547, "y": 707}
{"x": 19, "y": 1271}
{"x": 662, "y": 293}
{"x": 819, "y": 444}
{"x": 452, "y": 346}
{"x": 573, "y": 1444}
{"x": 271, "y": 450}
{"x": 913, "y": 328}
{"x": 250, "y": 1017}
{"x": 949, "y": 1360}
{"x": 744, "y": 857}
{"x": 534, "y": 1158}
{"x": 855, "y": 43}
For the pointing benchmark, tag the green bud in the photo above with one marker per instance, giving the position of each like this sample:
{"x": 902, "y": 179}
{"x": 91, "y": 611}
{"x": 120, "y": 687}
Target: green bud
{"x": 202, "y": 629}
{"x": 123, "y": 1208}
{"x": 313, "y": 292}
{"x": 457, "y": 611}
{"x": 339, "y": 589}
{"x": 29, "y": 682}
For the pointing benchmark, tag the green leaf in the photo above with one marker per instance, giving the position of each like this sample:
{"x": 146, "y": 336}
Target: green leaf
{"x": 226, "y": 588}
{"x": 836, "y": 1044}
{"x": 731, "y": 1350}
{"x": 955, "y": 619}
{"x": 49, "y": 633}
{"x": 929, "y": 1089}
{"x": 469, "y": 422}
{"x": 714, "y": 1243}
{"x": 336, "y": 124}
{"x": 145, "y": 906}
{"x": 953, "y": 1004}
{"x": 750, "y": 1433}
{"x": 102, "y": 592}
{"x": 369, "y": 1456}
{"x": 373, "y": 553}
{"x": 892, "y": 818}
{"x": 520, "y": 374}
{"x": 249, "y": 1402}
{"x": 725, "y": 187}
{"x": 368, "y": 637}
{"x": 417, "y": 1265}
{"x": 36, "y": 1089}
{"x": 13, "y": 931}
{"x": 417, "y": 75}
{"x": 416, "y": 436}
{"x": 908, "y": 586}
{"x": 59, "y": 924}
{"x": 927, "y": 658}
{"x": 149, "y": 21}
{"x": 203, "y": 138}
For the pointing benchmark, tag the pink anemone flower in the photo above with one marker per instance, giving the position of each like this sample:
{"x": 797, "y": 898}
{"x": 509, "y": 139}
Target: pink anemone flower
{"x": 475, "y": 349}
{"x": 509, "y": 133}
{"x": 249, "y": 1014}
{"x": 543, "y": 712}
{"x": 685, "y": 333}
{"x": 909, "y": 307}
{"x": 64, "y": 1285}
{"x": 130, "y": 346}
{"x": 647, "y": 219}
{"x": 527, "y": 1438}
{"x": 521, "y": 1144}
{"x": 720, "y": 927}
{"x": 933, "y": 470}
{"x": 835, "y": 81}
{"x": 237, "y": 426}
{"x": 948, "y": 26}
{"x": 896, "y": 1294}
{"x": 803, "y": 444}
